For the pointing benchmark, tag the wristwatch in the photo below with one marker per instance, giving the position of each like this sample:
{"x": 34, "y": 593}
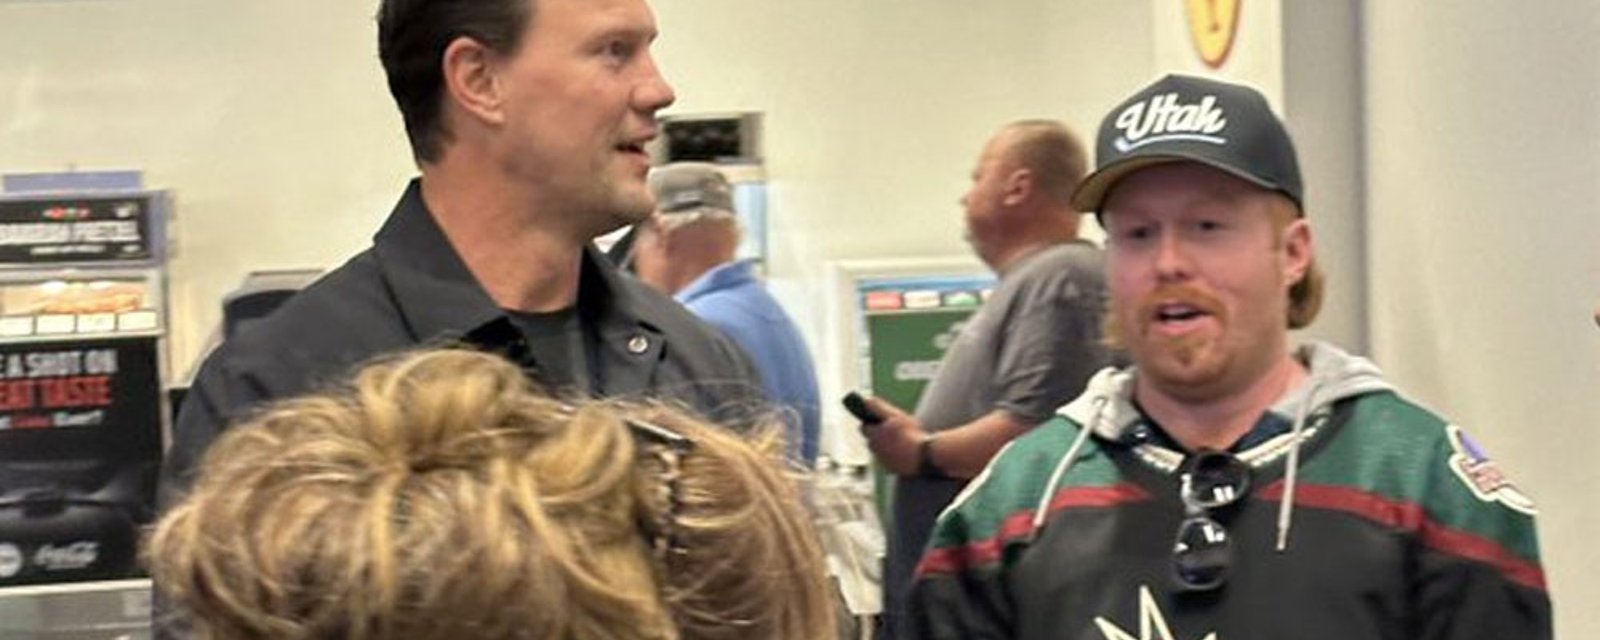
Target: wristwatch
{"x": 926, "y": 467}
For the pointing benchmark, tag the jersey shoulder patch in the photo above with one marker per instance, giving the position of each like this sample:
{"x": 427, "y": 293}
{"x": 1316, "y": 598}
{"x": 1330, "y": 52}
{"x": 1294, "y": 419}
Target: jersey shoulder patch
{"x": 1483, "y": 476}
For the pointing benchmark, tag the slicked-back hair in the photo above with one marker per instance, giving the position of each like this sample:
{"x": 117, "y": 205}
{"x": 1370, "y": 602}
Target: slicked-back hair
{"x": 412, "y": 38}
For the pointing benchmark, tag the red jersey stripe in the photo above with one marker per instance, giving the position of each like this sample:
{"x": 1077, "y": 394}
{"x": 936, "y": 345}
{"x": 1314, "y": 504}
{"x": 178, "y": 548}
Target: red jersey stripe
{"x": 1411, "y": 517}
{"x": 987, "y": 551}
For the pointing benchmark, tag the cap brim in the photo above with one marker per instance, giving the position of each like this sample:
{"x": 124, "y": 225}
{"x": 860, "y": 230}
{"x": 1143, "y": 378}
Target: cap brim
{"x": 673, "y": 219}
{"x": 1091, "y": 193}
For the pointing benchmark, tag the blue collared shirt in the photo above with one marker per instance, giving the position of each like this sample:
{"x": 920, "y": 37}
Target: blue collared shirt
{"x": 732, "y": 298}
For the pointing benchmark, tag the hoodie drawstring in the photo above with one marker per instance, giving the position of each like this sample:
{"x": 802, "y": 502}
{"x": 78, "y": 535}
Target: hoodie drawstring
{"x": 1286, "y": 507}
{"x": 1291, "y": 473}
{"x": 1042, "y": 510}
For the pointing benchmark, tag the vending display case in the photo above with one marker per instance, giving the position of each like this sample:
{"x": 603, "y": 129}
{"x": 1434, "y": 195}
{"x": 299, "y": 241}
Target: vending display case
{"x": 82, "y": 322}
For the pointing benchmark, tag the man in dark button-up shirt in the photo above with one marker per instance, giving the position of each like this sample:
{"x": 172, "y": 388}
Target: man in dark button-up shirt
{"x": 528, "y": 128}
{"x": 528, "y": 121}
{"x": 411, "y": 289}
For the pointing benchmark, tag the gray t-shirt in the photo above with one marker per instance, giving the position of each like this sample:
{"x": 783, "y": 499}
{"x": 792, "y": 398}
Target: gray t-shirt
{"x": 1028, "y": 350}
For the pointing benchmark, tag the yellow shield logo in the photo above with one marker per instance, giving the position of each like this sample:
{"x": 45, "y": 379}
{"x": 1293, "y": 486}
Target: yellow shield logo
{"x": 1213, "y": 25}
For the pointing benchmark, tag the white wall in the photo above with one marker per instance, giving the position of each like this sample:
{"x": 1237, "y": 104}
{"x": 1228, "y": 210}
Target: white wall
{"x": 1483, "y": 158}
{"x": 271, "y": 121}
{"x": 269, "y": 118}
{"x": 876, "y": 111}
{"x": 1322, "y": 53}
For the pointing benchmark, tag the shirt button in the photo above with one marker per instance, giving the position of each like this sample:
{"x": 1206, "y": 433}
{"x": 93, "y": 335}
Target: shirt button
{"x": 638, "y": 344}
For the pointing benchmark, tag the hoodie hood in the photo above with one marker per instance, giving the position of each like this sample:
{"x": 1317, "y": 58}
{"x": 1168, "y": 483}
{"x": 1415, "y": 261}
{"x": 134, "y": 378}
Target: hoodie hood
{"x": 1105, "y": 410}
{"x": 1106, "y": 404}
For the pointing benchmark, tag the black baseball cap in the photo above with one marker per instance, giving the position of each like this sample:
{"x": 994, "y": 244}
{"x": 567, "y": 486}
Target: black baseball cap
{"x": 1185, "y": 118}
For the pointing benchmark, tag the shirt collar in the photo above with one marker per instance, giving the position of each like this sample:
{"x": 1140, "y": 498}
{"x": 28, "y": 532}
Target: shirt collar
{"x": 1270, "y": 425}
{"x": 722, "y": 276}
{"x": 1035, "y": 252}
{"x": 440, "y": 299}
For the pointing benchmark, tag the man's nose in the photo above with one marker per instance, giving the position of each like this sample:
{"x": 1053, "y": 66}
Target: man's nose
{"x": 1173, "y": 262}
{"x": 655, "y": 93}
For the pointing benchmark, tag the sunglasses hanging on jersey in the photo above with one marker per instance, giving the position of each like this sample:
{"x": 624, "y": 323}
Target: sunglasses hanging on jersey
{"x": 1203, "y": 551}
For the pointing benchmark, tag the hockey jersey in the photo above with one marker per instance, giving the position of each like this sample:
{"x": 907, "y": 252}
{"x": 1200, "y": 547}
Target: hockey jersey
{"x": 1368, "y": 517}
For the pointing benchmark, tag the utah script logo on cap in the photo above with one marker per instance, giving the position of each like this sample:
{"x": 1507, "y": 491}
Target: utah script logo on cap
{"x": 1162, "y": 119}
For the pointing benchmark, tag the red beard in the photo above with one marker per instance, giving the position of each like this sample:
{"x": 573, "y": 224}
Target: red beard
{"x": 1186, "y": 347}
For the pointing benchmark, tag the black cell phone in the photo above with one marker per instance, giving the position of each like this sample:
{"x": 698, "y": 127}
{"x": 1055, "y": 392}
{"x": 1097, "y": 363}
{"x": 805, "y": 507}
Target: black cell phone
{"x": 857, "y": 406}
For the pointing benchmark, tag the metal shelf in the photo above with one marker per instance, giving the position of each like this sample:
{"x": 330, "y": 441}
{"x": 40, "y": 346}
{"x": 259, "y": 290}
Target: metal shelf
{"x": 109, "y": 610}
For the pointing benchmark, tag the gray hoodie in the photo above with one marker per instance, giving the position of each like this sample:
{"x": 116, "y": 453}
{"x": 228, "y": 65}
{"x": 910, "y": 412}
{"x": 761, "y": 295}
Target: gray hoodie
{"x": 1106, "y": 408}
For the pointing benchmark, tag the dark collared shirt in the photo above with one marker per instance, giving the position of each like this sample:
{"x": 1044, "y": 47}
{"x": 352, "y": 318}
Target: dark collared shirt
{"x": 412, "y": 289}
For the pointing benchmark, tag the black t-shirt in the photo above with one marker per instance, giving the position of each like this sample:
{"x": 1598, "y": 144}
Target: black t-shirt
{"x": 559, "y": 348}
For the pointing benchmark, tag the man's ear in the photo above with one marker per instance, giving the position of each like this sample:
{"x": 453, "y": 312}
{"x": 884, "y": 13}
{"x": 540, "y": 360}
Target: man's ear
{"x": 472, "y": 80}
{"x": 1298, "y": 250}
{"x": 1019, "y": 183}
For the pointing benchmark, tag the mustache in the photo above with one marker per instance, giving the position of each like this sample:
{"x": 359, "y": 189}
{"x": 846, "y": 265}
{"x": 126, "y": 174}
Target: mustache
{"x": 1179, "y": 294}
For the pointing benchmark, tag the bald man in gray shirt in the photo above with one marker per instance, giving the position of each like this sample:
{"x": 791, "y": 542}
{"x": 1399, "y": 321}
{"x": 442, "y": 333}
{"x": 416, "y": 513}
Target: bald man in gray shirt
{"x": 1028, "y": 350}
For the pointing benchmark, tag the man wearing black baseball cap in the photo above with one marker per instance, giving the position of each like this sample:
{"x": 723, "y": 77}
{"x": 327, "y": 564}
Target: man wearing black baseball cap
{"x": 1228, "y": 485}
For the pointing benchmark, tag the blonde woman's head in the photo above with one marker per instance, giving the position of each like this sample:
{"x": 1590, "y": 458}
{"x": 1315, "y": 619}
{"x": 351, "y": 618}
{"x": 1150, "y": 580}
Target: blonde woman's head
{"x": 439, "y": 495}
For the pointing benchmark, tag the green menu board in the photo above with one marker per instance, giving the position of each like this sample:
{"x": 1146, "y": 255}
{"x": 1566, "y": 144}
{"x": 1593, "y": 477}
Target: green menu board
{"x": 906, "y": 348}
{"x": 909, "y": 324}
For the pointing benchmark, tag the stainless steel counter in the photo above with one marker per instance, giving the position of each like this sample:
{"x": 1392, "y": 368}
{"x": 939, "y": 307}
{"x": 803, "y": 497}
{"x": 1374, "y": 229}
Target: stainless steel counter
{"x": 112, "y": 610}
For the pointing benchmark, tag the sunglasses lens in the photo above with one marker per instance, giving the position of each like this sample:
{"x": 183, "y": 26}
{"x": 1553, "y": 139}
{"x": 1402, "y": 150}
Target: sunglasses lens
{"x": 1201, "y": 554}
{"x": 1216, "y": 479}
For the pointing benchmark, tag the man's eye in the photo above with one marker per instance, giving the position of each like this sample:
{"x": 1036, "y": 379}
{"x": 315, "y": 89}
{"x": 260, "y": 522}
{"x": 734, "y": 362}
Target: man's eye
{"x": 619, "y": 50}
{"x": 1135, "y": 233}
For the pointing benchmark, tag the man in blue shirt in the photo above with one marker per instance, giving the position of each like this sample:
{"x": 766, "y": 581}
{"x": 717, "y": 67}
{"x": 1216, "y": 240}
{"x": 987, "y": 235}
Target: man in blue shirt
{"x": 689, "y": 250}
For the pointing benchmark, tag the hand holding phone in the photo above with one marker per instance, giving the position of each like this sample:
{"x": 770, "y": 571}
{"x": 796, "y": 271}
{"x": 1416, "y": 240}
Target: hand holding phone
{"x": 857, "y": 406}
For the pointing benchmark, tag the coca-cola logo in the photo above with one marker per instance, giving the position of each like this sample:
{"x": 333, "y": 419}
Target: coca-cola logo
{"x": 77, "y": 555}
